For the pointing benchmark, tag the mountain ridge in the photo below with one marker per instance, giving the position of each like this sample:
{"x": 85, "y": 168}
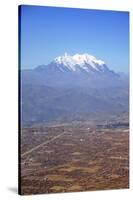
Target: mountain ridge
{"x": 58, "y": 92}
{"x": 78, "y": 63}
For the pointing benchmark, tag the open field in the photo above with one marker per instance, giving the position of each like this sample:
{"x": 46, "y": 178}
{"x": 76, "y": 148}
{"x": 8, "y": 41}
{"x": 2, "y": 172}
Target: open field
{"x": 67, "y": 158}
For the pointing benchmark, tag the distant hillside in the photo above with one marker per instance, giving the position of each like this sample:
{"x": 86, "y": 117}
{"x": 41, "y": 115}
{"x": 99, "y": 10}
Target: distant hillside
{"x": 78, "y": 87}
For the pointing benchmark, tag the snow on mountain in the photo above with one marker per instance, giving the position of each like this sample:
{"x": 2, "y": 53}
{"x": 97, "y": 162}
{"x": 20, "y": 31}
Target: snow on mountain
{"x": 81, "y": 64}
{"x": 78, "y": 62}
{"x": 78, "y": 87}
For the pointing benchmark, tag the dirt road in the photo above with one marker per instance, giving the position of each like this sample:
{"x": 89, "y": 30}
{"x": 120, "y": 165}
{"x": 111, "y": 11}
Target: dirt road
{"x": 40, "y": 145}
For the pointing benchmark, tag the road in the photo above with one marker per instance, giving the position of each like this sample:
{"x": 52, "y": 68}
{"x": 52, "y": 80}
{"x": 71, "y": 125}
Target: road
{"x": 42, "y": 144}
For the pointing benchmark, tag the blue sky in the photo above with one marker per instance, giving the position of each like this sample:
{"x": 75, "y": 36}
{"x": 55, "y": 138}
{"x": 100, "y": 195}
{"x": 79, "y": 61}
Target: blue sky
{"x": 48, "y": 32}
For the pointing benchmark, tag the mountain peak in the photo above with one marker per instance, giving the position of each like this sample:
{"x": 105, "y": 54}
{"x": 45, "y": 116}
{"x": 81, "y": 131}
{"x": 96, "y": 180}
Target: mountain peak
{"x": 80, "y": 60}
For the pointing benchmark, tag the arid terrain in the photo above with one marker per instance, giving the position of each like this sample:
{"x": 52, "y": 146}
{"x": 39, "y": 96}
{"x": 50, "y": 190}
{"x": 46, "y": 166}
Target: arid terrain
{"x": 74, "y": 157}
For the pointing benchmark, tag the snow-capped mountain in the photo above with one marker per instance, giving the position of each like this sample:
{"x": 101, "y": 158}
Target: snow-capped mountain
{"x": 77, "y": 63}
{"x": 73, "y": 70}
{"x": 80, "y": 61}
{"x": 77, "y": 87}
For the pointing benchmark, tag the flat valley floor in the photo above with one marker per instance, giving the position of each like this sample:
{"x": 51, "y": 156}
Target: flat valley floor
{"x": 72, "y": 158}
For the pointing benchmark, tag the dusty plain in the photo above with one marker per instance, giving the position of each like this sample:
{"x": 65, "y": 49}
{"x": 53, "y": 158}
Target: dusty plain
{"x": 73, "y": 157}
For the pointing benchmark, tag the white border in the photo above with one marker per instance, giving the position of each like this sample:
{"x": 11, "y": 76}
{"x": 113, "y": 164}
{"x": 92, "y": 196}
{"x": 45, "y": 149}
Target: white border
{"x": 8, "y": 97}
{"x": 94, "y": 4}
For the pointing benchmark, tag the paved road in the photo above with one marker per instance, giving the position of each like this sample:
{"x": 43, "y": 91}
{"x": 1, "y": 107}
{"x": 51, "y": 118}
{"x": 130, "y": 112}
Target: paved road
{"x": 40, "y": 145}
